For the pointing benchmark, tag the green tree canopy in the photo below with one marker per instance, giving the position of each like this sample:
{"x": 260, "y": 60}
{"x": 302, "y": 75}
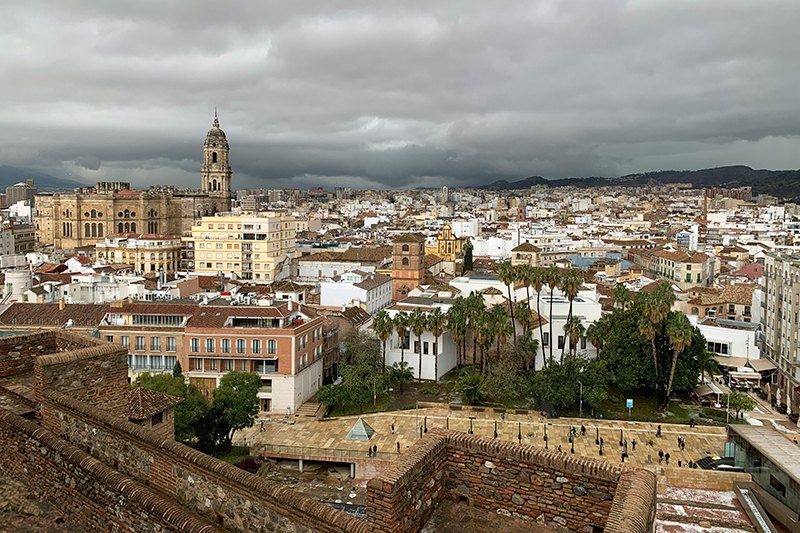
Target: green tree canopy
{"x": 189, "y": 412}
{"x": 235, "y": 403}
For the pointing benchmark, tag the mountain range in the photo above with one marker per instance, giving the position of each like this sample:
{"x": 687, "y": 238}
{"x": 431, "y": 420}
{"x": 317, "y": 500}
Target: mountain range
{"x": 44, "y": 182}
{"x": 781, "y": 183}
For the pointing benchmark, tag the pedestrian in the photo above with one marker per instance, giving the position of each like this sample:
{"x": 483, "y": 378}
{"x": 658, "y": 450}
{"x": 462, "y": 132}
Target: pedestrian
{"x": 583, "y": 430}
{"x": 262, "y": 427}
{"x": 683, "y": 445}
{"x": 795, "y": 440}
{"x": 666, "y": 457}
{"x": 502, "y": 416}
{"x": 679, "y": 463}
{"x": 601, "y": 442}
{"x": 375, "y": 451}
{"x": 398, "y": 446}
{"x": 679, "y": 441}
{"x": 369, "y": 452}
{"x": 623, "y": 457}
{"x": 392, "y": 426}
{"x": 658, "y": 431}
{"x": 660, "y": 456}
{"x": 559, "y": 447}
{"x": 633, "y": 443}
{"x": 691, "y": 422}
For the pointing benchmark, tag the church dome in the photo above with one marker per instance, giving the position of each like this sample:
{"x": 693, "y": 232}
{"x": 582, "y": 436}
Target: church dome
{"x": 215, "y": 136}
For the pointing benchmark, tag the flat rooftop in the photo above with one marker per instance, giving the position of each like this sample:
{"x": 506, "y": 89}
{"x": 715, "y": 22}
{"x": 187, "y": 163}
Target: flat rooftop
{"x": 774, "y": 446}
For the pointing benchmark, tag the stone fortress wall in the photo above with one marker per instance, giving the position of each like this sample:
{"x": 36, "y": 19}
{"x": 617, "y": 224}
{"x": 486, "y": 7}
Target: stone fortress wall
{"x": 107, "y": 474}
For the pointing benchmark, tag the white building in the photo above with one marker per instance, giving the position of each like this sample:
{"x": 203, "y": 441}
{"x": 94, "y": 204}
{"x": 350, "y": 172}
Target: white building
{"x": 372, "y": 292}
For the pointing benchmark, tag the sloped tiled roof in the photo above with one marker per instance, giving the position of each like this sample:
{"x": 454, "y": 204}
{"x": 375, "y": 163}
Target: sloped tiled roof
{"x": 526, "y": 247}
{"x": 738, "y": 294}
{"x": 409, "y": 237}
{"x": 49, "y": 315}
{"x": 144, "y": 403}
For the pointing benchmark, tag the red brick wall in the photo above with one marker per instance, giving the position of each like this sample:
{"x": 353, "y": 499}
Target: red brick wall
{"x": 18, "y": 353}
{"x": 88, "y": 494}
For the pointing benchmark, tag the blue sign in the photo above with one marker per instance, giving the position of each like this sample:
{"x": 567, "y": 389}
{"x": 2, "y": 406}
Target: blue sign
{"x": 629, "y": 403}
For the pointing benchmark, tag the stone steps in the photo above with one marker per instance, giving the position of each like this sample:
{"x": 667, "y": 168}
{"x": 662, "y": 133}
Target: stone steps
{"x": 309, "y": 409}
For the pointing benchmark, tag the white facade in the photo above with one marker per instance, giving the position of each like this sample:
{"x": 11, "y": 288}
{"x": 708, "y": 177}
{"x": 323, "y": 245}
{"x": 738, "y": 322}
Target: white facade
{"x": 466, "y": 228}
{"x": 288, "y": 393}
{"x": 445, "y": 348}
{"x": 371, "y": 292}
{"x": 101, "y": 288}
{"x": 317, "y": 270}
{"x": 729, "y": 342}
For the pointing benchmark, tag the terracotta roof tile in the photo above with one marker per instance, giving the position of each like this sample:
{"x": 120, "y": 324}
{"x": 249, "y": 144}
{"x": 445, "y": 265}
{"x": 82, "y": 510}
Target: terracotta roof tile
{"x": 49, "y": 315}
{"x": 144, "y": 403}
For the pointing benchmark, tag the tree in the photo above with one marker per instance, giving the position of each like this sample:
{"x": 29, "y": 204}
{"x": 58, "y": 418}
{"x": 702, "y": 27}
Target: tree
{"x": 468, "y": 256}
{"x": 537, "y": 279}
{"x": 597, "y": 331}
{"x": 571, "y": 282}
{"x": 177, "y": 370}
{"x": 469, "y": 385}
{"x": 457, "y": 324}
{"x": 400, "y": 323}
{"x": 503, "y": 328}
{"x": 524, "y": 314}
{"x": 679, "y": 331}
{"x": 475, "y": 307}
{"x": 418, "y": 322}
{"x": 739, "y": 402}
{"x": 551, "y": 279}
{"x": 436, "y": 323}
{"x": 383, "y": 327}
{"x": 236, "y": 403}
{"x": 559, "y": 384}
{"x": 508, "y": 275}
{"x": 189, "y": 412}
{"x": 504, "y": 383}
{"x": 401, "y": 374}
{"x": 573, "y": 330}
{"x": 526, "y": 351}
{"x": 525, "y": 275}
{"x": 622, "y": 297}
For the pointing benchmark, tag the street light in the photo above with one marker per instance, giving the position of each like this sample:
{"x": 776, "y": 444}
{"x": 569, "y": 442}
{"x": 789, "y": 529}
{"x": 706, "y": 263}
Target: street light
{"x": 580, "y": 412}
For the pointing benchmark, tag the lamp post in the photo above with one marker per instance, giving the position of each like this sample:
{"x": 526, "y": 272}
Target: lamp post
{"x": 597, "y": 435}
{"x": 580, "y": 408}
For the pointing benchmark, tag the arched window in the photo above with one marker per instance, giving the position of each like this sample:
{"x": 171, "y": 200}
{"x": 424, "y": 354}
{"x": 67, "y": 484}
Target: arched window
{"x": 214, "y": 185}
{"x": 695, "y": 311}
{"x": 214, "y": 157}
{"x": 86, "y": 229}
{"x": 405, "y": 261}
{"x": 120, "y": 228}
{"x": 94, "y": 230}
{"x": 133, "y": 227}
{"x": 100, "y": 229}
{"x": 127, "y": 227}
{"x": 405, "y": 248}
{"x": 94, "y": 213}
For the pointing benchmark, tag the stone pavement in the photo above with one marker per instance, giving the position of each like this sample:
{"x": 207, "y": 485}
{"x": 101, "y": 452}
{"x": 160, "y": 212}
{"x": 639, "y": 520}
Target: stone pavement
{"x": 329, "y": 434}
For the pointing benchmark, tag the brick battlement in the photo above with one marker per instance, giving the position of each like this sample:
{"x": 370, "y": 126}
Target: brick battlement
{"x": 557, "y": 489}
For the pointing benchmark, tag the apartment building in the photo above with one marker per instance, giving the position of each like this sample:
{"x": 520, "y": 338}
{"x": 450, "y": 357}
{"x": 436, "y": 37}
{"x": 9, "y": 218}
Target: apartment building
{"x": 372, "y": 292}
{"x": 282, "y": 343}
{"x": 682, "y": 268}
{"x": 780, "y": 305}
{"x": 145, "y": 253}
{"x": 243, "y": 246}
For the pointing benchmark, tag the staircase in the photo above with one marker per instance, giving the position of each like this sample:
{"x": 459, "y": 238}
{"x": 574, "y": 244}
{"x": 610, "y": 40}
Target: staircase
{"x": 310, "y": 409}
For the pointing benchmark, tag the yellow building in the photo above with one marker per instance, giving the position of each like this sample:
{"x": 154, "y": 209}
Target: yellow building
{"x": 145, "y": 253}
{"x": 257, "y": 247}
{"x": 448, "y": 246}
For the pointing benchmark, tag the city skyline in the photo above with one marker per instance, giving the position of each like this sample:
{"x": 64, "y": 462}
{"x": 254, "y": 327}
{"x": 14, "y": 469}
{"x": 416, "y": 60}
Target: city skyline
{"x": 399, "y": 95}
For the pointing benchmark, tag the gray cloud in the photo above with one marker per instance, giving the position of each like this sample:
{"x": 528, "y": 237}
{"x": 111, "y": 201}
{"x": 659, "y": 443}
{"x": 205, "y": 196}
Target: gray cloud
{"x": 398, "y": 93}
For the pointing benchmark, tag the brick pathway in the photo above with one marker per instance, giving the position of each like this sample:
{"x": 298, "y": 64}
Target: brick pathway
{"x": 331, "y": 433}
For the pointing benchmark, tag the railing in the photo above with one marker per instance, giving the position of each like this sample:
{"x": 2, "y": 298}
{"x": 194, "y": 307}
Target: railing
{"x": 308, "y": 452}
{"x": 265, "y": 389}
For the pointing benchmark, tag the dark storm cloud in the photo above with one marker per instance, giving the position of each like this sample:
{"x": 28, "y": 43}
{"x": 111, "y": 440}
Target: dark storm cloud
{"x": 373, "y": 94}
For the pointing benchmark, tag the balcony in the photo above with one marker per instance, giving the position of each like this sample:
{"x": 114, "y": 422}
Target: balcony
{"x": 265, "y": 388}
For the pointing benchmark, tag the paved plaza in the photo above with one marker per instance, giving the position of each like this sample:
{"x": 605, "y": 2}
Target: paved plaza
{"x": 329, "y": 434}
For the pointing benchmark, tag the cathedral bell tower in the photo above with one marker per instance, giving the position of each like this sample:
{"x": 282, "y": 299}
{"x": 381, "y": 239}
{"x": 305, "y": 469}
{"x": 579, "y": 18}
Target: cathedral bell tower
{"x": 215, "y": 172}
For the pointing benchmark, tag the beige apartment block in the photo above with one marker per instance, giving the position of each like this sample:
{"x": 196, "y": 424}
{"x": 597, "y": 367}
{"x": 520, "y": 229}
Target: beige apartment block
{"x": 257, "y": 247}
{"x": 145, "y": 253}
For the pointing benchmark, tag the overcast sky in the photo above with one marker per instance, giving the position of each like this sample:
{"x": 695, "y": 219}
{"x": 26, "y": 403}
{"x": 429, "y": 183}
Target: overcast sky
{"x": 397, "y": 94}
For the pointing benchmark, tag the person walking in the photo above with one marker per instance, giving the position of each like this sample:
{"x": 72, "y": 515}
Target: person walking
{"x": 660, "y": 456}
{"x": 658, "y": 431}
{"x": 398, "y": 446}
{"x": 633, "y": 444}
{"x": 666, "y": 457}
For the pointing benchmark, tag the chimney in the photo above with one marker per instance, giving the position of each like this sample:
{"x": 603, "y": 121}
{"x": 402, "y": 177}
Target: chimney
{"x": 291, "y": 305}
{"x": 61, "y": 304}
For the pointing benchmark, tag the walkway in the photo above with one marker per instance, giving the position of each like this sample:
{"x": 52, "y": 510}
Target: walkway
{"x": 329, "y": 434}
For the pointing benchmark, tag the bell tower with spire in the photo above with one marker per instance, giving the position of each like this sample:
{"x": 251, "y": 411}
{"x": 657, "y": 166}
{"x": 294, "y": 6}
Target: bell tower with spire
{"x": 215, "y": 172}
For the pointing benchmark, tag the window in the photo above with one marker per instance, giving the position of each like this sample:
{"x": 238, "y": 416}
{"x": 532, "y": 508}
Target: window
{"x": 212, "y": 364}
{"x": 240, "y": 346}
{"x": 227, "y": 365}
{"x": 110, "y": 338}
{"x": 169, "y": 362}
{"x": 209, "y": 345}
{"x": 155, "y": 344}
{"x": 718, "y": 347}
{"x": 139, "y": 342}
{"x": 195, "y": 345}
{"x": 416, "y": 346}
{"x": 560, "y": 342}
{"x": 405, "y": 261}
{"x": 405, "y": 248}
{"x": 256, "y": 346}
{"x": 157, "y": 419}
{"x": 126, "y": 341}
{"x": 425, "y": 348}
{"x": 583, "y": 343}
{"x": 272, "y": 346}
{"x": 171, "y": 344}
{"x": 435, "y": 348}
{"x": 545, "y": 339}
{"x": 731, "y": 308}
{"x": 226, "y": 345}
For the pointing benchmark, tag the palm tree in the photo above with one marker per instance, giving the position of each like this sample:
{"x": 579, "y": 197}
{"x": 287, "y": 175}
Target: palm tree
{"x": 436, "y": 324}
{"x": 524, "y": 314}
{"x": 596, "y": 333}
{"x": 457, "y": 325}
{"x": 537, "y": 281}
{"x": 475, "y": 307}
{"x": 680, "y": 334}
{"x": 525, "y": 275}
{"x": 485, "y": 335}
{"x": 622, "y": 297}
{"x": 503, "y": 327}
{"x": 508, "y": 275}
{"x": 418, "y": 323}
{"x": 574, "y": 330}
{"x": 527, "y": 349}
{"x": 656, "y": 307}
{"x": 552, "y": 280}
{"x": 400, "y": 323}
{"x": 571, "y": 281}
{"x": 383, "y": 327}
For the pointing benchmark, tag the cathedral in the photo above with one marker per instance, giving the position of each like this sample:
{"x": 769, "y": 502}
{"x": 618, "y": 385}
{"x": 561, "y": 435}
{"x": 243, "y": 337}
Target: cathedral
{"x": 84, "y": 217}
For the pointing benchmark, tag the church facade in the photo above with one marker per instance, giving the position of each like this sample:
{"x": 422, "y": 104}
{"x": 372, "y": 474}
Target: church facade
{"x": 84, "y": 217}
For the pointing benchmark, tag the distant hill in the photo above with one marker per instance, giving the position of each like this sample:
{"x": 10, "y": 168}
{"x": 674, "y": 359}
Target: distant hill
{"x": 44, "y": 182}
{"x": 780, "y": 183}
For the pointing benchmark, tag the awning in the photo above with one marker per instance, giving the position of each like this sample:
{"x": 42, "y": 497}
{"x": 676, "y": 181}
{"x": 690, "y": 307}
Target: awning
{"x": 762, "y": 365}
{"x": 706, "y": 389}
{"x": 730, "y": 362}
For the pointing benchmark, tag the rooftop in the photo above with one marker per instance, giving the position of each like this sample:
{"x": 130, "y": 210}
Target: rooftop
{"x": 772, "y": 445}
